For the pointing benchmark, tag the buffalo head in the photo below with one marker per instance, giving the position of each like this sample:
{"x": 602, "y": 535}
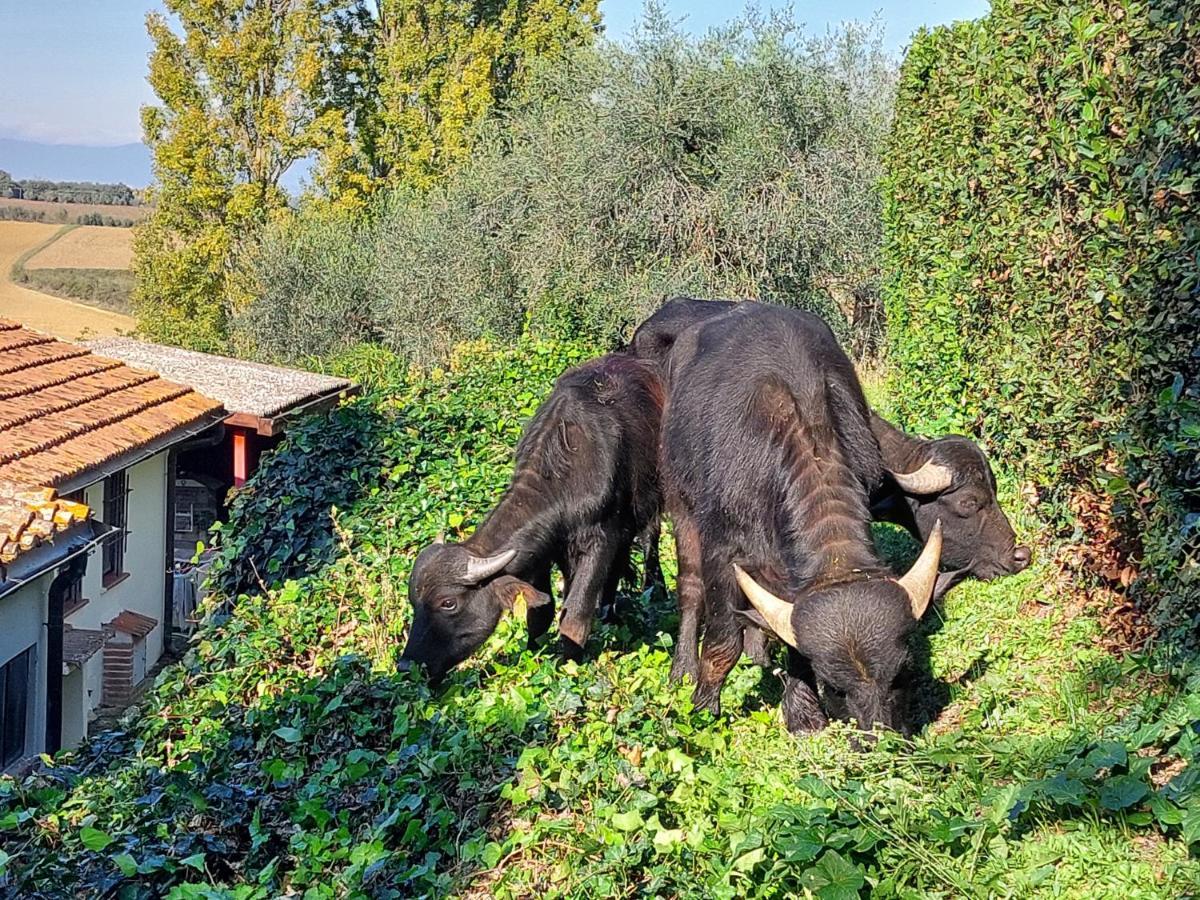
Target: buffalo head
{"x": 458, "y": 599}
{"x": 854, "y": 633}
{"x": 949, "y": 479}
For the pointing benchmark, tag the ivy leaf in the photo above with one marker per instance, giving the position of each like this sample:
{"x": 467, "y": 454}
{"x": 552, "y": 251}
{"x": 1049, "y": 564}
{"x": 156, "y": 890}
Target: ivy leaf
{"x": 628, "y": 821}
{"x": 94, "y": 838}
{"x": 834, "y": 877}
{"x": 1122, "y": 792}
{"x": 127, "y": 864}
{"x": 286, "y": 733}
{"x": 196, "y": 861}
{"x": 1191, "y": 824}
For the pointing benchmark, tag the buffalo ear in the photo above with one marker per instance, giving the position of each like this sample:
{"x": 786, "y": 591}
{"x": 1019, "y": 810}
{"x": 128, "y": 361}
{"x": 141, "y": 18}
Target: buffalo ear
{"x": 947, "y": 580}
{"x": 754, "y": 617}
{"x": 511, "y": 592}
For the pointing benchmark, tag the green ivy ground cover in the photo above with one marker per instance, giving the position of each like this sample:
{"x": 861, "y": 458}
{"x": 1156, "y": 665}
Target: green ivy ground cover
{"x": 283, "y": 756}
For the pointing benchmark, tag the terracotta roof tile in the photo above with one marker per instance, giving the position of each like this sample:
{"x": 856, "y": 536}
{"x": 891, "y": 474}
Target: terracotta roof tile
{"x": 130, "y": 622}
{"x": 65, "y": 412}
{"x": 30, "y": 518}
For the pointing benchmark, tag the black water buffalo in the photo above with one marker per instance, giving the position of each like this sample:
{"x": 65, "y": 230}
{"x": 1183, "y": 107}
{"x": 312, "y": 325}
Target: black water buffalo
{"x": 947, "y": 479}
{"x": 766, "y": 453}
{"x": 585, "y": 484}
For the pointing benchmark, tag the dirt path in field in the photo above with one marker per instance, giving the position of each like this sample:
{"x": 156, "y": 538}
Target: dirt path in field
{"x": 61, "y": 318}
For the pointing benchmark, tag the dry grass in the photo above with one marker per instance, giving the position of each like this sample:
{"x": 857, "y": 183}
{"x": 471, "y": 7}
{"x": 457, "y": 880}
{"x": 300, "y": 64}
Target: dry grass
{"x": 65, "y": 213}
{"x": 87, "y": 247}
{"x": 41, "y": 312}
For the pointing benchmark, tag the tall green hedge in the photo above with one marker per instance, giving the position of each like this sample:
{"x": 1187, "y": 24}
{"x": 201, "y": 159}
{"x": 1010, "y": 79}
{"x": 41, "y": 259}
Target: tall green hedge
{"x": 1042, "y": 241}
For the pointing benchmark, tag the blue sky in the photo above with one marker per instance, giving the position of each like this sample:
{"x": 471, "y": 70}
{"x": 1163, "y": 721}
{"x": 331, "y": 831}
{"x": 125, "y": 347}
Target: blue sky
{"x": 75, "y": 73}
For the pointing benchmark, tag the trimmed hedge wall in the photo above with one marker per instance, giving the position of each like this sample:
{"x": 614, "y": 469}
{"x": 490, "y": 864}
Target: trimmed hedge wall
{"x": 1042, "y": 239}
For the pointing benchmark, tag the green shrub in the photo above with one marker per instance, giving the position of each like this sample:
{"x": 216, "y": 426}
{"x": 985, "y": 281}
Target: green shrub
{"x": 743, "y": 163}
{"x": 1041, "y": 244}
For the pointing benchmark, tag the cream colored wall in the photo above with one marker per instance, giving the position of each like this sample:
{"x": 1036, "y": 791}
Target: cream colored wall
{"x": 145, "y": 558}
{"x": 74, "y": 709}
{"x": 81, "y": 696}
{"x": 23, "y": 615}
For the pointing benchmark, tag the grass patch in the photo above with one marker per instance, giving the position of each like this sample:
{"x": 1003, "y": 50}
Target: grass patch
{"x": 110, "y": 289}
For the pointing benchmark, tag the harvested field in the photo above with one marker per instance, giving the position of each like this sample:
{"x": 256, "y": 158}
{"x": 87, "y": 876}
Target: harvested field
{"x": 66, "y": 213}
{"x": 87, "y": 247}
{"x": 61, "y": 318}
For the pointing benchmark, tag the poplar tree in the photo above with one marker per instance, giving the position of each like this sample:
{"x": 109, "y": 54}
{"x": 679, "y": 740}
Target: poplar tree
{"x": 240, "y": 85}
{"x": 416, "y": 78}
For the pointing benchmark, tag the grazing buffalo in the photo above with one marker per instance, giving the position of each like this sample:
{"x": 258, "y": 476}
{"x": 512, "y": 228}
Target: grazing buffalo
{"x": 584, "y": 486}
{"x": 947, "y": 479}
{"x": 766, "y": 451}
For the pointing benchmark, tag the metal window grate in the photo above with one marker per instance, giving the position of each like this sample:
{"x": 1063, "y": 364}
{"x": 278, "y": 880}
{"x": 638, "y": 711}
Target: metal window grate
{"x": 116, "y": 515}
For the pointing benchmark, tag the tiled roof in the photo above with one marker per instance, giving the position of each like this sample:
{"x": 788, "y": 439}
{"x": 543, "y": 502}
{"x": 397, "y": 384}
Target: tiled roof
{"x": 81, "y": 644}
{"x": 65, "y": 412}
{"x": 243, "y": 387}
{"x": 30, "y": 518}
{"x": 130, "y": 622}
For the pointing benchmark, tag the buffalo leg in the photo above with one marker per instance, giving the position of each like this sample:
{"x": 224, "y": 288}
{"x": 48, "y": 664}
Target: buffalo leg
{"x": 590, "y": 573}
{"x": 652, "y": 576}
{"x": 538, "y": 619}
{"x": 612, "y": 608}
{"x": 689, "y": 593}
{"x": 801, "y": 707}
{"x": 722, "y": 637}
{"x": 758, "y": 646}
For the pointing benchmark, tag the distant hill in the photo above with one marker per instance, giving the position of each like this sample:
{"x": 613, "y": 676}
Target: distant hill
{"x": 126, "y": 163}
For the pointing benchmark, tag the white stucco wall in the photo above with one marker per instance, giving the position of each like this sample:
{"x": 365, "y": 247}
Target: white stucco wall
{"x": 74, "y": 709}
{"x": 145, "y": 557}
{"x": 81, "y": 696}
{"x": 23, "y": 616}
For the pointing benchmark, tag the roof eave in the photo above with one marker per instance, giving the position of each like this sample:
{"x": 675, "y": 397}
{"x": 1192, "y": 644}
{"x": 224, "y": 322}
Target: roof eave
{"x": 49, "y": 555}
{"x": 139, "y": 454}
{"x": 277, "y": 423}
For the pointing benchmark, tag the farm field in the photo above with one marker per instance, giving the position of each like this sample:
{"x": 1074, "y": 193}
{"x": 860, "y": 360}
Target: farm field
{"x": 62, "y": 318}
{"x": 66, "y": 213}
{"x": 87, "y": 247}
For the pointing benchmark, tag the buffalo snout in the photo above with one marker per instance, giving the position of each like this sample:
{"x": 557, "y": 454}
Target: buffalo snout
{"x": 1022, "y": 556}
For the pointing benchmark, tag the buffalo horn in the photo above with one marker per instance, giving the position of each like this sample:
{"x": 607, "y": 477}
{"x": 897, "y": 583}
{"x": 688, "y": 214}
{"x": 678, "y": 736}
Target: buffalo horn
{"x": 481, "y": 568}
{"x": 775, "y": 612}
{"x": 919, "y": 581}
{"x": 931, "y": 478}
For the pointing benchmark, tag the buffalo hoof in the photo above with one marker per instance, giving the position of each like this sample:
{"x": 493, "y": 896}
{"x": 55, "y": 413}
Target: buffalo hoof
{"x": 681, "y": 671}
{"x": 684, "y": 668}
{"x": 569, "y": 650}
{"x": 705, "y": 697}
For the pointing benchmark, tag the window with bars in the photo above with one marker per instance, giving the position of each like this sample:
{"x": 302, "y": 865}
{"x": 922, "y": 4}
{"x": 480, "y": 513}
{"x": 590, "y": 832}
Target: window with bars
{"x": 15, "y": 678}
{"x": 73, "y": 596}
{"x": 116, "y": 516}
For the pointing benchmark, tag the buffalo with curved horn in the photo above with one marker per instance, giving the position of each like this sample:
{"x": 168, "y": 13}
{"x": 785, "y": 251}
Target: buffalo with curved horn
{"x": 584, "y": 486}
{"x": 767, "y": 452}
{"x": 947, "y": 478}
